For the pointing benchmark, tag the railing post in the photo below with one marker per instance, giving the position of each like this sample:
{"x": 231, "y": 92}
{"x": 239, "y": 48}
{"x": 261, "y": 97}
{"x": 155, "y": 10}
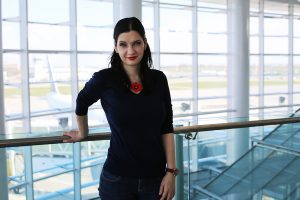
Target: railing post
{"x": 179, "y": 163}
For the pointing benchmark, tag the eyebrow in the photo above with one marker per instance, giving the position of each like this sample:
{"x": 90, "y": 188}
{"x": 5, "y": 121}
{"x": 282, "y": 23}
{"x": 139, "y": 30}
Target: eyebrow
{"x": 131, "y": 42}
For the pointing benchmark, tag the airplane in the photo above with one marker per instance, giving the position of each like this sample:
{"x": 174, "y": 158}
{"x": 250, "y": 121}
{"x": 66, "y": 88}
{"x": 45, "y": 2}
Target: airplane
{"x": 58, "y": 102}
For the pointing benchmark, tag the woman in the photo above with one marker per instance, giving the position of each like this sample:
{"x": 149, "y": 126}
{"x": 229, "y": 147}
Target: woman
{"x": 140, "y": 163}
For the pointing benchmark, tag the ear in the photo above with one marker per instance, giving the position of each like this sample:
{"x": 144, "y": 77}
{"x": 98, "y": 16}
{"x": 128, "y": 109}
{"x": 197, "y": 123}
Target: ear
{"x": 116, "y": 50}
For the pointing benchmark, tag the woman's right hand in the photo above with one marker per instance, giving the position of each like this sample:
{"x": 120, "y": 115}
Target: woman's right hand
{"x": 74, "y": 135}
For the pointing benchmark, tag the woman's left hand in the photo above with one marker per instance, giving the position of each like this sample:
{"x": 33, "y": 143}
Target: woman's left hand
{"x": 167, "y": 187}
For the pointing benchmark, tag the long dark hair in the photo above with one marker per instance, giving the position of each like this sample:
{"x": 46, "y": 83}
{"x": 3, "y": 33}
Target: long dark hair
{"x": 126, "y": 25}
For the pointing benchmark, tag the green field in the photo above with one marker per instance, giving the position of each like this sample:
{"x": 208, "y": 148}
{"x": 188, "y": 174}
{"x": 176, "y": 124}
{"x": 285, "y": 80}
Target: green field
{"x": 174, "y": 85}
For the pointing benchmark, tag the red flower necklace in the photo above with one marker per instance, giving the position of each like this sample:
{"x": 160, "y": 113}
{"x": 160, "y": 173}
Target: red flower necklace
{"x": 136, "y": 87}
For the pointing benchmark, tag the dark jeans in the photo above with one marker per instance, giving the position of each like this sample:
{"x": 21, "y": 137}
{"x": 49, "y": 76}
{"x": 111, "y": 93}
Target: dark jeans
{"x": 114, "y": 187}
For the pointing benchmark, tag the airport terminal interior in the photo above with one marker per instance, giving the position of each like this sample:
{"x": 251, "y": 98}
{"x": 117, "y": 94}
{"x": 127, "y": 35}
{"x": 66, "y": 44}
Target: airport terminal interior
{"x": 233, "y": 68}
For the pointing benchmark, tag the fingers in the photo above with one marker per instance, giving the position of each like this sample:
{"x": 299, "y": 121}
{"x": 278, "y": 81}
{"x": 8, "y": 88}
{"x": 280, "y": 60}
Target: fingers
{"x": 67, "y": 134}
{"x": 165, "y": 193}
{"x": 167, "y": 189}
{"x": 161, "y": 189}
{"x": 71, "y": 135}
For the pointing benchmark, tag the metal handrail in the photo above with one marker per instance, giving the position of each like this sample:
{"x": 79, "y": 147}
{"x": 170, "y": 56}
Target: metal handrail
{"x": 177, "y": 130}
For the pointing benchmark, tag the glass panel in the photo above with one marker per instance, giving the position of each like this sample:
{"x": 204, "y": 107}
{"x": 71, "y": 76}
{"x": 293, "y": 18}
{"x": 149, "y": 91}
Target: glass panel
{"x": 296, "y": 73}
{"x": 296, "y": 27}
{"x": 217, "y": 23}
{"x": 183, "y": 19}
{"x": 276, "y": 26}
{"x": 212, "y": 43}
{"x": 49, "y": 67}
{"x": 14, "y": 127}
{"x": 261, "y": 171}
{"x": 182, "y": 106}
{"x": 43, "y": 98}
{"x": 211, "y": 118}
{"x": 13, "y": 101}
{"x": 178, "y": 69}
{"x": 257, "y": 168}
{"x": 275, "y": 7}
{"x": 48, "y": 37}
{"x": 212, "y": 104}
{"x": 254, "y": 75}
{"x": 276, "y": 45}
{"x": 276, "y": 112}
{"x": 254, "y": 25}
{"x": 51, "y": 123}
{"x": 254, "y": 101}
{"x": 91, "y": 63}
{"x": 175, "y": 37}
{"x": 180, "y": 2}
{"x": 286, "y": 135}
{"x": 296, "y": 45}
{"x": 10, "y": 9}
{"x": 296, "y": 99}
{"x": 254, "y": 45}
{"x": 296, "y": 9}
{"x": 11, "y": 35}
{"x": 212, "y": 3}
{"x": 254, "y": 5}
{"x": 12, "y": 68}
{"x": 88, "y": 64}
{"x": 12, "y": 88}
{"x": 275, "y": 100}
{"x": 150, "y": 41}
{"x": 179, "y": 121}
{"x": 148, "y": 16}
{"x": 148, "y": 22}
{"x": 15, "y": 169}
{"x": 93, "y": 155}
{"x": 49, "y": 82}
{"x": 56, "y": 187}
{"x": 212, "y": 75}
{"x": 48, "y": 11}
{"x": 97, "y": 116}
{"x": 175, "y": 42}
{"x": 94, "y": 13}
{"x": 95, "y": 39}
{"x": 275, "y": 76}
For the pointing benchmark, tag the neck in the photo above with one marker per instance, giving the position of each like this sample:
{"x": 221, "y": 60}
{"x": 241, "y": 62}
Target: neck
{"x": 132, "y": 73}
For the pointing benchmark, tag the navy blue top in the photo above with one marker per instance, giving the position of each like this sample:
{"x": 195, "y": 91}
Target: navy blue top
{"x": 137, "y": 122}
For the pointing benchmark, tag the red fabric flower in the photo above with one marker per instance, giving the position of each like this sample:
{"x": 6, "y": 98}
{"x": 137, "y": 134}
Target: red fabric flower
{"x": 136, "y": 87}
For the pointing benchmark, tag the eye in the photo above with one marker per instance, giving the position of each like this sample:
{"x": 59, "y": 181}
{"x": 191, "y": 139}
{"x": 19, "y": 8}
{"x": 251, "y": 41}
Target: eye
{"x": 122, "y": 44}
{"x": 137, "y": 43}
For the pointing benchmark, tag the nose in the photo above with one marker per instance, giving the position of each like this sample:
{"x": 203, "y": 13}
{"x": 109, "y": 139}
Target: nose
{"x": 130, "y": 49}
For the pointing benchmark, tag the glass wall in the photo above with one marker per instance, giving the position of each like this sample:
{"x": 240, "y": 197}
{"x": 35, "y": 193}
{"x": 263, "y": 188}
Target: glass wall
{"x": 48, "y": 46}
{"x": 52, "y": 47}
{"x": 273, "y": 60}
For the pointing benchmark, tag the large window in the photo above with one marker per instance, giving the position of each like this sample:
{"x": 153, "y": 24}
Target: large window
{"x": 212, "y": 56}
{"x": 273, "y": 61}
{"x": 52, "y": 47}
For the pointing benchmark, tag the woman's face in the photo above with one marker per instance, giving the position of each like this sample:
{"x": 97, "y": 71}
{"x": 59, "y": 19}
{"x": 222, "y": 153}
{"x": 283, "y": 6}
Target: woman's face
{"x": 130, "y": 47}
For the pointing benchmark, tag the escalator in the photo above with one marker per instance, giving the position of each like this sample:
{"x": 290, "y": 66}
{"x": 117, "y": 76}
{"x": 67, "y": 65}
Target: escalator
{"x": 269, "y": 170}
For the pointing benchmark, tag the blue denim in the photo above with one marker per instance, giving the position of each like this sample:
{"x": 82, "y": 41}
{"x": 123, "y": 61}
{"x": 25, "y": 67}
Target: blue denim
{"x": 113, "y": 187}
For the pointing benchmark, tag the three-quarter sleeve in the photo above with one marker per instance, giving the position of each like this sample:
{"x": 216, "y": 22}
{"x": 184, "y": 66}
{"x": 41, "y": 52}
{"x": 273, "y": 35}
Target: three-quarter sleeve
{"x": 90, "y": 94}
{"x": 168, "y": 123}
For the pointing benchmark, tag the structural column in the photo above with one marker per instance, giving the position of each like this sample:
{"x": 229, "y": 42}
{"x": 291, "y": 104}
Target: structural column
{"x": 3, "y": 166}
{"x": 238, "y": 76}
{"x": 127, "y": 8}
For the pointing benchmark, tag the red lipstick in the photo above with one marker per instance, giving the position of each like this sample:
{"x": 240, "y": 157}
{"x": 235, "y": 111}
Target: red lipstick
{"x": 132, "y": 57}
